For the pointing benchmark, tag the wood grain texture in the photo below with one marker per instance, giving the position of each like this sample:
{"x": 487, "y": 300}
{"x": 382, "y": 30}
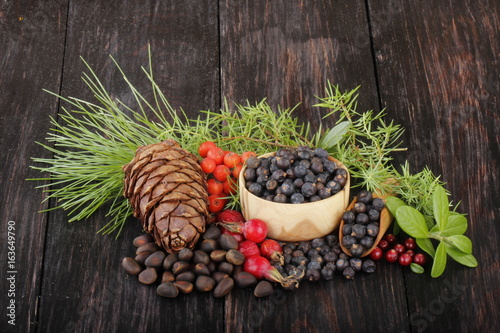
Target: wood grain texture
{"x": 85, "y": 289}
{"x": 439, "y": 76}
{"x": 32, "y": 35}
{"x": 287, "y": 51}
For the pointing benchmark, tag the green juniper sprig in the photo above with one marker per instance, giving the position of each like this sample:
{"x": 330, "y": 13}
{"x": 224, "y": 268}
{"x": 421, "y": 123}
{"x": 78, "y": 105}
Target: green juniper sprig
{"x": 365, "y": 143}
{"x": 93, "y": 140}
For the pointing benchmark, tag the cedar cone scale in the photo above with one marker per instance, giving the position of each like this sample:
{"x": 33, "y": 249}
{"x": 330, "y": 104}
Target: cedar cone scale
{"x": 168, "y": 192}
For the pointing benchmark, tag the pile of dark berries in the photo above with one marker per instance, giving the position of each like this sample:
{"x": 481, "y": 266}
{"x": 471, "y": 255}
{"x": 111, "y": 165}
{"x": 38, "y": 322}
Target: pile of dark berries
{"x": 215, "y": 265}
{"x": 362, "y": 223}
{"x": 294, "y": 175}
{"x": 320, "y": 259}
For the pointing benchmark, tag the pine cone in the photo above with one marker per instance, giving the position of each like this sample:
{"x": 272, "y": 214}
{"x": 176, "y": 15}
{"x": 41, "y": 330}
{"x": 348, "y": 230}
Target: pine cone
{"x": 168, "y": 192}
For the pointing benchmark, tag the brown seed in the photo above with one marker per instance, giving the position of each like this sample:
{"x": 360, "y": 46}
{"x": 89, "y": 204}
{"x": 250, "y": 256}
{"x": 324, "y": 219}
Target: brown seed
{"x": 204, "y": 283}
{"x": 180, "y": 267}
{"x": 148, "y": 276}
{"x": 212, "y": 266}
{"x": 155, "y": 259}
{"x": 228, "y": 242}
{"x": 186, "y": 276}
{"x": 184, "y": 287}
{"x": 167, "y": 277}
{"x": 141, "y": 258}
{"x": 143, "y": 239}
{"x": 185, "y": 254}
{"x": 201, "y": 257}
{"x": 237, "y": 270}
{"x": 245, "y": 280}
{"x": 235, "y": 257}
{"x": 131, "y": 266}
{"x": 225, "y": 267}
{"x": 212, "y": 232}
{"x": 224, "y": 287}
{"x": 201, "y": 269}
{"x": 167, "y": 289}
{"x": 208, "y": 245}
{"x": 147, "y": 248}
{"x": 169, "y": 261}
{"x": 218, "y": 255}
{"x": 264, "y": 288}
{"x": 218, "y": 276}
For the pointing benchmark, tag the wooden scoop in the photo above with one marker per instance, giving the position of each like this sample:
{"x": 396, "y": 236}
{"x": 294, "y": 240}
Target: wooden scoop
{"x": 384, "y": 223}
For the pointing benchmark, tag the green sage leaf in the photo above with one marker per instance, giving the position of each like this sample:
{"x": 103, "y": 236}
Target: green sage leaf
{"x": 457, "y": 225}
{"x": 461, "y": 242}
{"x": 439, "y": 263}
{"x": 393, "y": 203}
{"x": 435, "y": 230}
{"x": 465, "y": 259}
{"x": 335, "y": 134}
{"x": 440, "y": 207}
{"x": 416, "y": 268}
{"x": 426, "y": 245}
{"x": 412, "y": 222}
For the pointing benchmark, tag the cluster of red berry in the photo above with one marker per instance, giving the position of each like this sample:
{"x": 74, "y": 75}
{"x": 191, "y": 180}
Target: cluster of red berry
{"x": 258, "y": 250}
{"x": 392, "y": 251}
{"x": 223, "y": 169}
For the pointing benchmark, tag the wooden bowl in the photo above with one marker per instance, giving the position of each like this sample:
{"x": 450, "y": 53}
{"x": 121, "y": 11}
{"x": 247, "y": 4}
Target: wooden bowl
{"x": 385, "y": 221}
{"x": 296, "y": 222}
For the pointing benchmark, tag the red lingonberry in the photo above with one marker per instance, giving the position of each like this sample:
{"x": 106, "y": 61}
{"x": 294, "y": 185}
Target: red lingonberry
{"x": 377, "y": 254}
{"x": 410, "y": 244}
{"x": 405, "y": 259}
{"x": 420, "y": 259}
{"x": 391, "y": 255}
{"x": 411, "y": 253}
{"x": 399, "y": 248}
{"x": 383, "y": 245}
{"x": 390, "y": 238}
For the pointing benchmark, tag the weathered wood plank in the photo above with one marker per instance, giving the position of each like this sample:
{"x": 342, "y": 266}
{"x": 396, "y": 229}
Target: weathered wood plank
{"x": 286, "y": 51}
{"x": 439, "y": 76}
{"x": 31, "y": 35}
{"x": 85, "y": 289}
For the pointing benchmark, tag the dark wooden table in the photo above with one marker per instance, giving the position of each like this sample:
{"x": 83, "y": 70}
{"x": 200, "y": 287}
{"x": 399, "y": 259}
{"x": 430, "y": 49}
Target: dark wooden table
{"x": 434, "y": 65}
